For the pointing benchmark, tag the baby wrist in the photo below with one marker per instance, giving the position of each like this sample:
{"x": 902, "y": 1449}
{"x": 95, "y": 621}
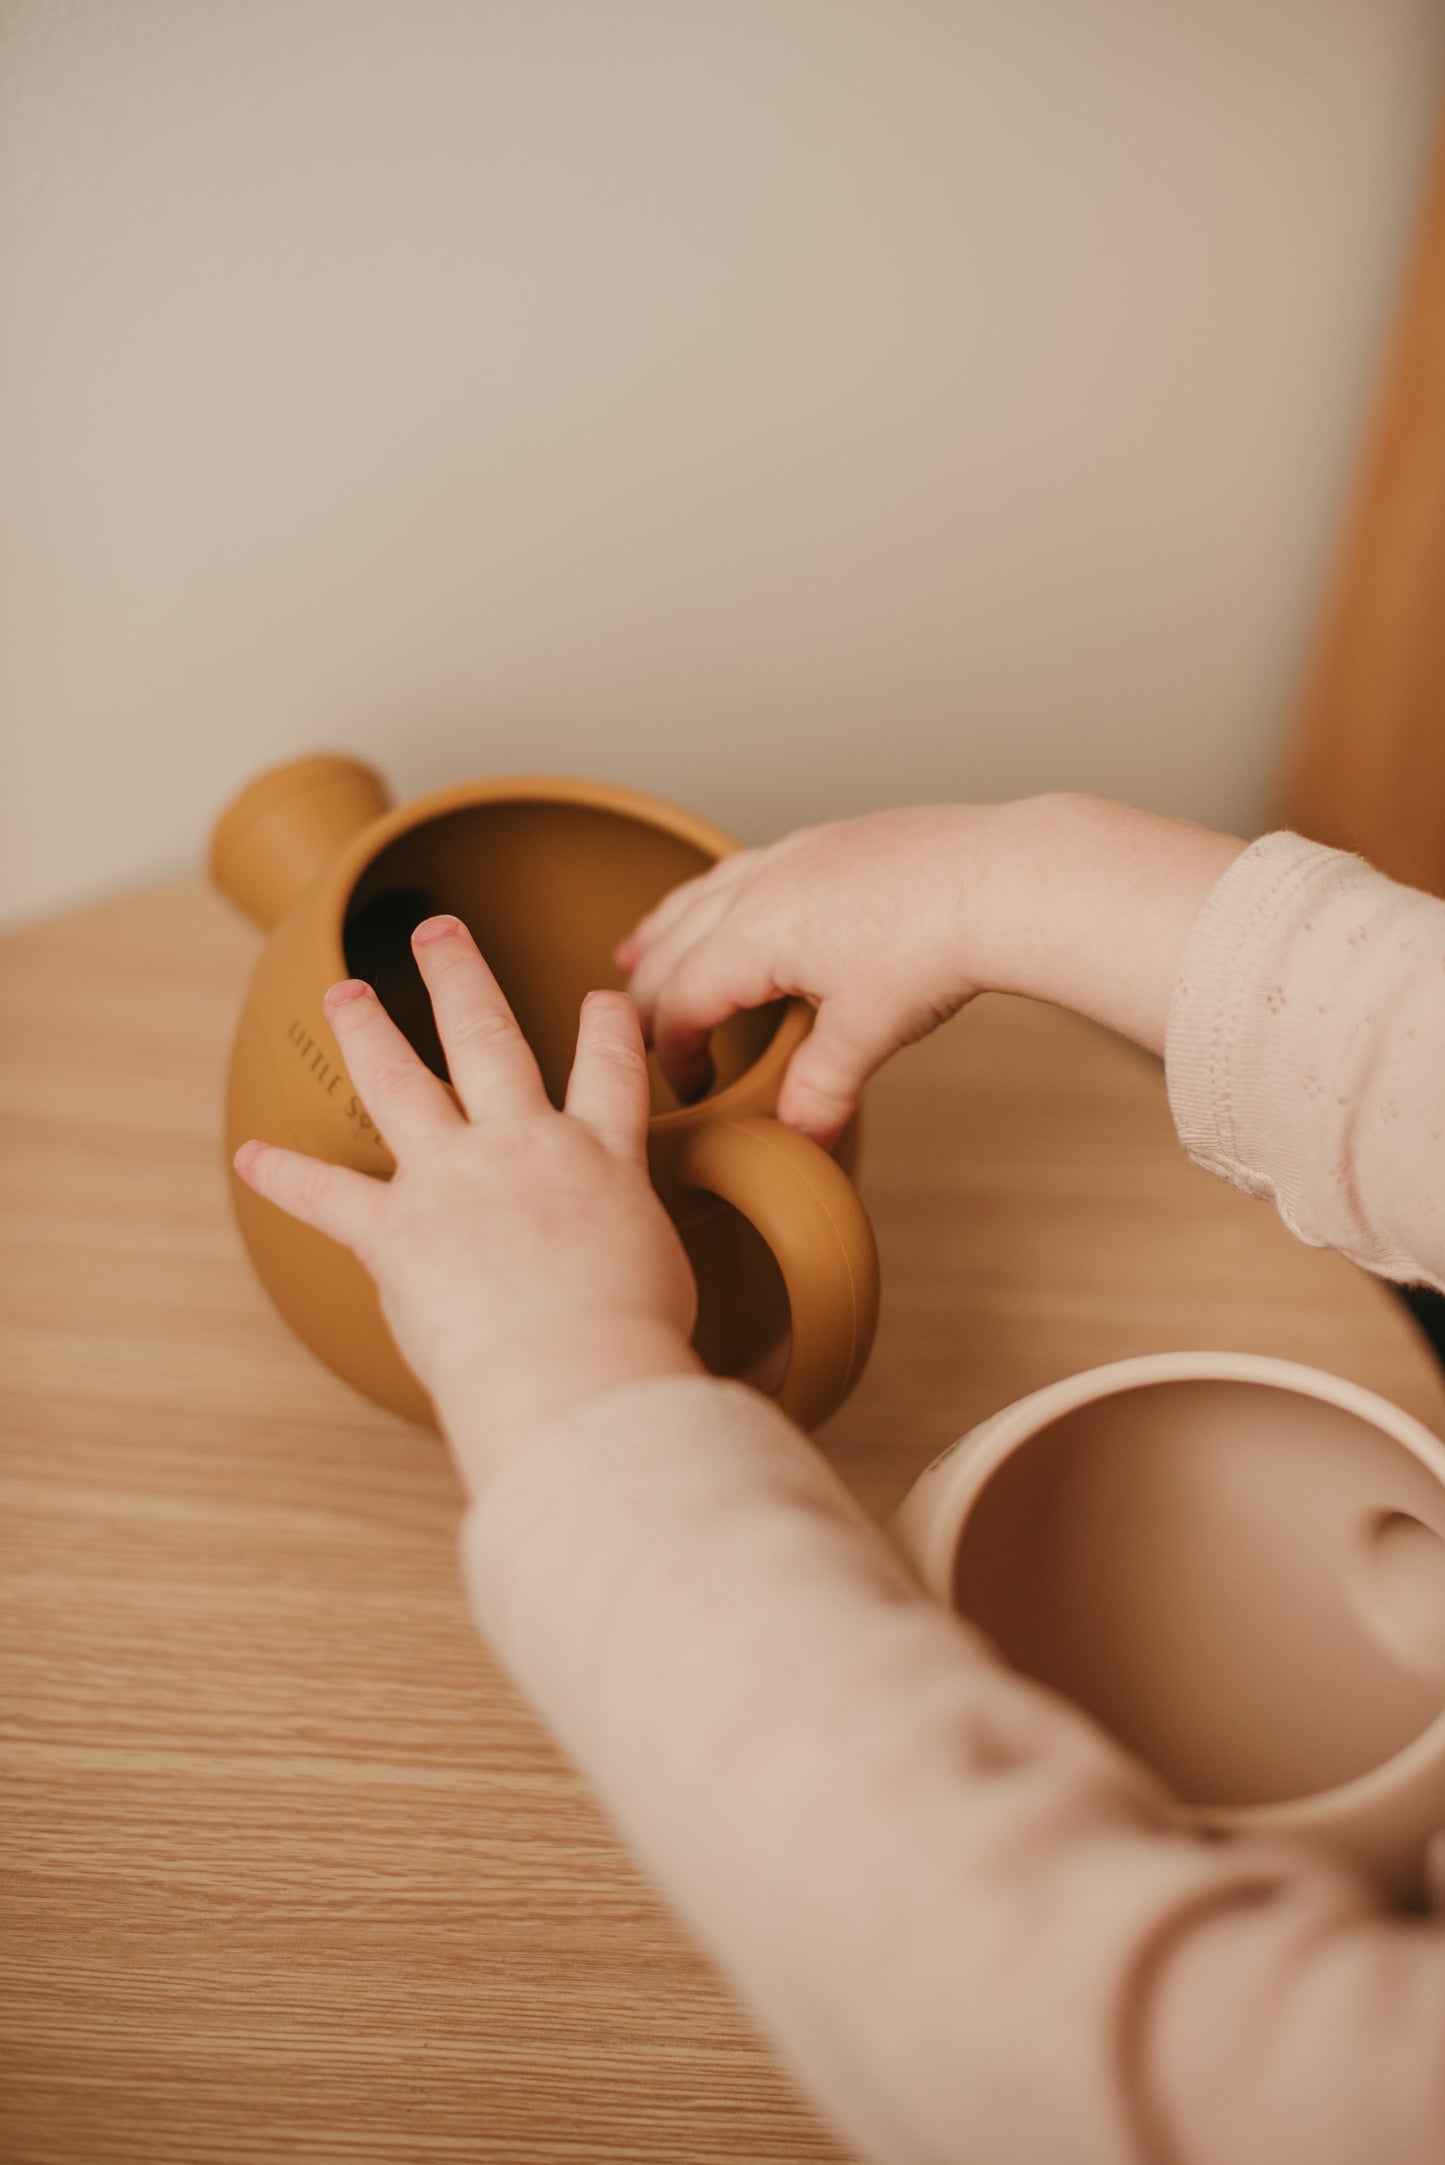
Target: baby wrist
{"x": 495, "y": 1399}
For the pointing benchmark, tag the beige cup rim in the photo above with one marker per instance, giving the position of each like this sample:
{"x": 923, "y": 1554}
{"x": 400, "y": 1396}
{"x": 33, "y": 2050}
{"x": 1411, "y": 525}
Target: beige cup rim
{"x": 342, "y": 875}
{"x": 999, "y": 1436}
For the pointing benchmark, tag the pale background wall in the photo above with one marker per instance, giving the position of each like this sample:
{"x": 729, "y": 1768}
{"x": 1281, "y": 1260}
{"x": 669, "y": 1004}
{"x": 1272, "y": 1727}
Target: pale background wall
{"x": 781, "y": 405}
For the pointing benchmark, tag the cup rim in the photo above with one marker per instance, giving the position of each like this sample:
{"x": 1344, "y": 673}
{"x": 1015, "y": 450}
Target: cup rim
{"x": 342, "y": 875}
{"x": 998, "y": 1436}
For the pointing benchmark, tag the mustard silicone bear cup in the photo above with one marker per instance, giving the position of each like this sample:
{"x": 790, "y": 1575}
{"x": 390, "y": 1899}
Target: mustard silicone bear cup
{"x": 548, "y": 875}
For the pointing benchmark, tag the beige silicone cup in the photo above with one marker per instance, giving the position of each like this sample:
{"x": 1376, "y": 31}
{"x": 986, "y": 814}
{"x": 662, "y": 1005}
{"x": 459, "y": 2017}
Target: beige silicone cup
{"x": 1237, "y": 1566}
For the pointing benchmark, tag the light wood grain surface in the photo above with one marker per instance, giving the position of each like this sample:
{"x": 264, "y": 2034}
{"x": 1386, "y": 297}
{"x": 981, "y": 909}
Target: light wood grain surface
{"x": 288, "y": 1871}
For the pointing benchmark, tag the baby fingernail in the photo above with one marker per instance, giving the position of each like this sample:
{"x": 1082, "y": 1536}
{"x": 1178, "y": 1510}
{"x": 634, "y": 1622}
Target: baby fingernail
{"x": 246, "y": 1156}
{"x": 350, "y": 988}
{"x": 435, "y": 928}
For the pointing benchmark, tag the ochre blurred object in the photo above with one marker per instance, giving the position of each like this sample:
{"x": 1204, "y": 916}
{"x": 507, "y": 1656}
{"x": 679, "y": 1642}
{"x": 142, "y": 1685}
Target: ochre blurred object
{"x": 548, "y": 875}
{"x": 1367, "y": 771}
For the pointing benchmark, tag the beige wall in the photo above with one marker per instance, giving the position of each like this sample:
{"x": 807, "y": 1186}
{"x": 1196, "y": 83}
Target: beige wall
{"x": 782, "y": 405}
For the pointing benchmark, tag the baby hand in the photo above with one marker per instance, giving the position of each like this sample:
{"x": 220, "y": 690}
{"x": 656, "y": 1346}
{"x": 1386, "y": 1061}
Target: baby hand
{"x": 522, "y": 1257}
{"x": 864, "y": 918}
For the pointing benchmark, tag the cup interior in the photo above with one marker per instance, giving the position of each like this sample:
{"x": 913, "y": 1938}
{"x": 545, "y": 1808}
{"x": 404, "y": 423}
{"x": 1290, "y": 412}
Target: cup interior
{"x": 547, "y": 889}
{"x": 1245, "y": 1584}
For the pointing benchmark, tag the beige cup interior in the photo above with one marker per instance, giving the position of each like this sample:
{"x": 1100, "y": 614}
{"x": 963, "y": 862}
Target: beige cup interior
{"x": 1245, "y": 1584}
{"x": 547, "y": 890}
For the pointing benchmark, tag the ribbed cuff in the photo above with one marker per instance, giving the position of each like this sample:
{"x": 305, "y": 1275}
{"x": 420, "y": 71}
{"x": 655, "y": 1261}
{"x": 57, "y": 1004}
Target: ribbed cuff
{"x": 1226, "y": 974}
{"x": 1301, "y": 1050}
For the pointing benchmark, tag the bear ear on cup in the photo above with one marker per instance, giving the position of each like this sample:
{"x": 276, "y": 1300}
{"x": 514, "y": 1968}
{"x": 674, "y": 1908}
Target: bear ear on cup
{"x": 287, "y": 826}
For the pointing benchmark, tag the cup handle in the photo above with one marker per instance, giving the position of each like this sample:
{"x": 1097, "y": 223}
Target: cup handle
{"x": 287, "y": 825}
{"x": 808, "y": 1212}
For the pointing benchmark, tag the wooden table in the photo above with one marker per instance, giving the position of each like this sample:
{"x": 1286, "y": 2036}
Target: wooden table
{"x": 289, "y": 1872}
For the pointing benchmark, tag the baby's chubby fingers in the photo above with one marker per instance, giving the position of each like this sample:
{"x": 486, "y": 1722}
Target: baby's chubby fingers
{"x": 492, "y": 1066}
{"x": 403, "y": 1097}
{"x": 826, "y": 1074}
{"x": 667, "y": 953}
{"x": 714, "y": 980}
{"x": 658, "y": 922}
{"x": 608, "y": 1088}
{"x": 333, "y": 1199}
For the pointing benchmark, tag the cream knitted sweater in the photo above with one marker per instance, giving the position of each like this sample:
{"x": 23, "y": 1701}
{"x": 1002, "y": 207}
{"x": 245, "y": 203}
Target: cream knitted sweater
{"x": 971, "y": 1923}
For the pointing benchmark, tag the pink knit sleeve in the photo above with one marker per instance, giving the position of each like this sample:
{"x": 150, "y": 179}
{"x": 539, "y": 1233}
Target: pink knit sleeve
{"x": 974, "y": 1927}
{"x": 1305, "y": 1051}
{"x": 971, "y": 1924}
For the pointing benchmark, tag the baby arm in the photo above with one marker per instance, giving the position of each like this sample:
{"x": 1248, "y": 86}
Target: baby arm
{"x": 890, "y": 923}
{"x": 971, "y": 1924}
{"x": 1298, "y": 996}
{"x": 973, "y": 1927}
